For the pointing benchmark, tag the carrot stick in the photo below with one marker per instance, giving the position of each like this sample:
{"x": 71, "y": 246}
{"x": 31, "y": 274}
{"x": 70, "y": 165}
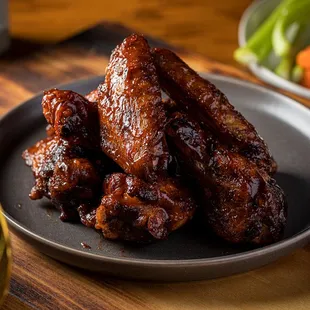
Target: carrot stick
{"x": 303, "y": 58}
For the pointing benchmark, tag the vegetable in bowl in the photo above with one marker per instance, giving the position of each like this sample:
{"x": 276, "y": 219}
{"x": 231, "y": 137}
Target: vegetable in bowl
{"x": 277, "y": 41}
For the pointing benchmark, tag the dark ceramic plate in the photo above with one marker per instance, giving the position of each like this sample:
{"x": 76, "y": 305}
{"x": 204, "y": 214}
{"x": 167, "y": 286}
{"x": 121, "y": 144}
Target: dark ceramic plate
{"x": 191, "y": 253}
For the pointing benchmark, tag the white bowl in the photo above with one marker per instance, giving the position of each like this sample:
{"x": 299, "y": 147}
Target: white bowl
{"x": 253, "y": 16}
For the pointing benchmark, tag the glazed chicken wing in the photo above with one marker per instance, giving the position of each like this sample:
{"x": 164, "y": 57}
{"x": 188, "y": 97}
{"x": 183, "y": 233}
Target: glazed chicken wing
{"x": 93, "y": 96}
{"x": 136, "y": 211}
{"x": 68, "y": 165}
{"x": 210, "y": 106}
{"x": 118, "y": 158}
{"x": 74, "y": 181}
{"x": 132, "y": 122}
{"x": 72, "y": 117}
{"x": 75, "y": 119}
{"x": 243, "y": 203}
{"x": 62, "y": 176}
{"x": 42, "y": 158}
{"x": 131, "y": 111}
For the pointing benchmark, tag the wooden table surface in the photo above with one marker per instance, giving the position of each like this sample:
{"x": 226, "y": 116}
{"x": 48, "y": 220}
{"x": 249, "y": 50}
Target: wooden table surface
{"x": 208, "y": 27}
{"x": 205, "y": 26}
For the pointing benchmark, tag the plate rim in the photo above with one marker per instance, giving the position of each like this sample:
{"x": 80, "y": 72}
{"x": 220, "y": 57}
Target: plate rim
{"x": 289, "y": 243}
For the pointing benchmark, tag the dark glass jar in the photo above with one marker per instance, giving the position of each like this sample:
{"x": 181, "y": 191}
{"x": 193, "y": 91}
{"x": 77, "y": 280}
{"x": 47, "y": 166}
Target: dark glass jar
{"x": 4, "y": 26}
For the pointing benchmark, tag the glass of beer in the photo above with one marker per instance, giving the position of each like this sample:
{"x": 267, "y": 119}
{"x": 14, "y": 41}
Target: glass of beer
{"x": 5, "y": 258}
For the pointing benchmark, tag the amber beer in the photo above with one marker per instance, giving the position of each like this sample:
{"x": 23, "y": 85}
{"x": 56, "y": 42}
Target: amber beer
{"x": 5, "y": 258}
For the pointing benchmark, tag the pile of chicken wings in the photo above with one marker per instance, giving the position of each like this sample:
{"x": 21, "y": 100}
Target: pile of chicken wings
{"x": 124, "y": 161}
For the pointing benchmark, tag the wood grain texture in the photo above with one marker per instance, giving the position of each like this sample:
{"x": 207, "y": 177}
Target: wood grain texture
{"x": 44, "y": 283}
{"x": 41, "y": 282}
{"x": 205, "y": 26}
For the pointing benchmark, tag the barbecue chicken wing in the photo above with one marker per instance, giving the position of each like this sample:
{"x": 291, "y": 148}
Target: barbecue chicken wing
{"x": 137, "y": 211}
{"x": 210, "y": 106}
{"x": 42, "y": 158}
{"x": 68, "y": 165}
{"x": 131, "y": 111}
{"x": 62, "y": 176}
{"x": 93, "y": 96}
{"x": 244, "y": 204}
{"x": 72, "y": 117}
{"x": 106, "y": 159}
{"x": 132, "y": 123}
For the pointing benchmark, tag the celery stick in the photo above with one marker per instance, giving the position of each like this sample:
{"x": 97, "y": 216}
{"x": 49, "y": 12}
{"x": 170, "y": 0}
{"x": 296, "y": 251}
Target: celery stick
{"x": 265, "y": 29}
{"x": 297, "y": 74}
{"x": 259, "y": 45}
{"x": 284, "y": 68}
{"x": 297, "y": 14}
{"x": 245, "y": 56}
{"x": 281, "y": 44}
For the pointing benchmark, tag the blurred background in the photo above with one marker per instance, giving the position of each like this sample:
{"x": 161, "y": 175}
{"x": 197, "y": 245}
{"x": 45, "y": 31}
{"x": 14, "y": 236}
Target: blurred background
{"x": 205, "y": 26}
